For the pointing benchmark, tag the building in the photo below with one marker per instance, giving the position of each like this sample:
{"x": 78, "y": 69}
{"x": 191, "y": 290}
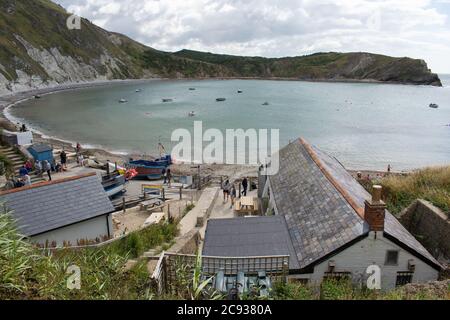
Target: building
{"x": 41, "y": 152}
{"x": 335, "y": 227}
{"x": 61, "y": 211}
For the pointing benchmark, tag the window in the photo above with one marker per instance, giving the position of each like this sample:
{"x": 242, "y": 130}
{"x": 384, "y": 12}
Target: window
{"x": 391, "y": 258}
{"x": 403, "y": 278}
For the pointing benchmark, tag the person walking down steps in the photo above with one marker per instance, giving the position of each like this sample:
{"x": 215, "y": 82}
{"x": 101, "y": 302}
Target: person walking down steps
{"x": 226, "y": 191}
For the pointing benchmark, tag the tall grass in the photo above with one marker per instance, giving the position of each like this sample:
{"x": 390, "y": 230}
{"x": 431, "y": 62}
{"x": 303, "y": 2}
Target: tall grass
{"x": 432, "y": 184}
{"x": 27, "y": 273}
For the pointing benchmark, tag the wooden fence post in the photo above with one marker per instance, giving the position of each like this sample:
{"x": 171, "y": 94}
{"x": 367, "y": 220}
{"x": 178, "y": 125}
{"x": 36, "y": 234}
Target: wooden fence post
{"x": 123, "y": 205}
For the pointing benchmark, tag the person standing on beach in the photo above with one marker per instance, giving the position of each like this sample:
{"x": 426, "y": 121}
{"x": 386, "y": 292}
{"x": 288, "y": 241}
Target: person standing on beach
{"x": 169, "y": 176}
{"x": 389, "y": 168}
{"x": 47, "y": 167}
{"x": 226, "y": 191}
{"x": 233, "y": 196}
{"x": 78, "y": 148}
{"x": 244, "y": 187}
{"x": 63, "y": 157}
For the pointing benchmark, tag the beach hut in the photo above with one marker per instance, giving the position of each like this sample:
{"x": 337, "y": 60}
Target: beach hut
{"x": 41, "y": 152}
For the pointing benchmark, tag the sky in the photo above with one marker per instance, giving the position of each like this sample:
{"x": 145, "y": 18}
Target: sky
{"x": 412, "y": 28}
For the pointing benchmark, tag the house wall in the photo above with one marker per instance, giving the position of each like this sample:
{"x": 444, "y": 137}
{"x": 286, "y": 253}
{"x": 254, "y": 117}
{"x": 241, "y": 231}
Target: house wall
{"x": 90, "y": 229}
{"x": 369, "y": 251}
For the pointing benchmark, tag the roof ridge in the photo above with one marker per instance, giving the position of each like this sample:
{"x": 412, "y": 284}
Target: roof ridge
{"x": 359, "y": 210}
{"x": 48, "y": 183}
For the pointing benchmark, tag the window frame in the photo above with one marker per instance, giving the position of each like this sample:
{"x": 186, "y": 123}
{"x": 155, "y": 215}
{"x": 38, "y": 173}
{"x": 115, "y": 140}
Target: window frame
{"x": 386, "y": 260}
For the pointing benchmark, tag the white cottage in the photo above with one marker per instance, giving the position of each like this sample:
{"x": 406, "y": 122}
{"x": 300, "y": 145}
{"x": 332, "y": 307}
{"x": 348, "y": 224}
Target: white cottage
{"x": 333, "y": 227}
{"x": 61, "y": 211}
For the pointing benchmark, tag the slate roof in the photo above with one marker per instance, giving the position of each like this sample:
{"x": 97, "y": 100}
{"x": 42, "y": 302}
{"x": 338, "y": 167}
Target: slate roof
{"x": 51, "y": 205}
{"x": 253, "y": 236}
{"x": 323, "y": 205}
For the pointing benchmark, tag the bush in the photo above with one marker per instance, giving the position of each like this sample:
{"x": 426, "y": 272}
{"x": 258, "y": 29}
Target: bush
{"x": 432, "y": 184}
{"x": 292, "y": 291}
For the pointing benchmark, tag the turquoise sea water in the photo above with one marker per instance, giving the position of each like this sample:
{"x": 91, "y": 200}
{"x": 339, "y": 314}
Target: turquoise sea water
{"x": 366, "y": 126}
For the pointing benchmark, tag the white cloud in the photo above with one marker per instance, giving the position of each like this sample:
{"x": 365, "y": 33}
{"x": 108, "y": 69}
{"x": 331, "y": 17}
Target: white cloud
{"x": 416, "y": 28}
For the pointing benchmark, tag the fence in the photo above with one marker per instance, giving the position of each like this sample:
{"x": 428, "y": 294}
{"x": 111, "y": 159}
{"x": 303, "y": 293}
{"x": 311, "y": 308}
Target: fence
{"x": 172, "y": 267}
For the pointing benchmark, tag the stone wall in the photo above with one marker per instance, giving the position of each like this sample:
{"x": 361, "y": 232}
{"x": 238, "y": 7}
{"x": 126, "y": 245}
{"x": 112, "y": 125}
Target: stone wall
{"x": 430, "y": 226}
{"x": 187, "y": 244}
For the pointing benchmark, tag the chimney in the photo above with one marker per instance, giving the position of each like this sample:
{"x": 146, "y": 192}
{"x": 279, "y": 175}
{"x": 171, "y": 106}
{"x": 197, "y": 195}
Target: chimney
{"x": 374, "y": 210}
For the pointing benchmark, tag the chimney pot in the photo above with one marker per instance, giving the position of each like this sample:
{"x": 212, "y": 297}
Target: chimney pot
{"x": 376, "y": 193}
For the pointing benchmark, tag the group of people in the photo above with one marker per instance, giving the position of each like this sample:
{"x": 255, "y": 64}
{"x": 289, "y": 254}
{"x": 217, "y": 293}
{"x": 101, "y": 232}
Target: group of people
{"x": 229, "y": 191}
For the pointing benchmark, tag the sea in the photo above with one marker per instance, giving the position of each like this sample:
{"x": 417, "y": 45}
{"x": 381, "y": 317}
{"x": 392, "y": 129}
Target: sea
{"x": 366, "y": 126}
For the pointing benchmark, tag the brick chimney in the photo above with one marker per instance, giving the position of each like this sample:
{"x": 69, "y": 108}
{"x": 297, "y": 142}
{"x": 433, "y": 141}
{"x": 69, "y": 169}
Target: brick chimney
{"x": 374, "y": 210}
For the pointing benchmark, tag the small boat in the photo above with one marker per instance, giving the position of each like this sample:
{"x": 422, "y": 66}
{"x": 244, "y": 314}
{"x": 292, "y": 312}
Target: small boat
{"x": 433, "y": 105}
{"x": 265, "y": 103}
{"x": 37, "y": 96}
{"x": 167, "y": 100}
{"x": 191, "y": 114}
{"x": 113, "y": 184}
{"x": 152, "y": 170}
{"x": 220, "y": 99}
{"x": 138, "y": 90}
{"x": 239, "y": 91}
{"x": 122, "y": 101}
{"x": 192, "y": 89}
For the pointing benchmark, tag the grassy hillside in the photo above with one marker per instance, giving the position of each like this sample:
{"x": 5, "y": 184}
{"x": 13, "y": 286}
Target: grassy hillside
{"x": 37, "y": 46}
{"x": 324, "y": 66}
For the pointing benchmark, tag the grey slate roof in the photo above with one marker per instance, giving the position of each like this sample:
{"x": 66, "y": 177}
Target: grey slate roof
{"x": 320, "y": 220}
{"x": 391, "y": 225}
{"x": 50, "y": 206}
{"x": 254, "y": 236}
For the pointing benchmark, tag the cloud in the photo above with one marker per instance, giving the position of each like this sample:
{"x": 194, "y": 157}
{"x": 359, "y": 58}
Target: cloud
{"x": 415, "y": 28}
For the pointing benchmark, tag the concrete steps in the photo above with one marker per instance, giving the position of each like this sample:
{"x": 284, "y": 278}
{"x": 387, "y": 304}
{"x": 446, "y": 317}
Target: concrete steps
{"x": 17, "y": 162}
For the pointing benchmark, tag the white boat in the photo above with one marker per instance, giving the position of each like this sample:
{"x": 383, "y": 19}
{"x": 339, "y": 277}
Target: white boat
{"x": 122, "y": 101}
{"x": 138, "y": 90}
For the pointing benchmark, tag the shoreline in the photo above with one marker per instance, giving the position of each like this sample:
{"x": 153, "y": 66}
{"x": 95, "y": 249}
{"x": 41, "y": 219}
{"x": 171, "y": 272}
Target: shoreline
{"x": 101, "y": 153}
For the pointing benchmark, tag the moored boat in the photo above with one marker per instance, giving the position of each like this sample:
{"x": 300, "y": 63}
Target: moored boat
{"x": 433, "y": 105}
{"x": 122, "y": 101}
{"x": 191, "y": 114}
{"x": 192, "y": 89}
{"x": 265, "y": 103}
{"x": 167, "y": 100}
{"x": 239, "y": 91}
{"x": 220, "y": 99}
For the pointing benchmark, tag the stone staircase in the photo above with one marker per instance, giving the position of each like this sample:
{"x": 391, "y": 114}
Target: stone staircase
{"x": 17, "y": 161}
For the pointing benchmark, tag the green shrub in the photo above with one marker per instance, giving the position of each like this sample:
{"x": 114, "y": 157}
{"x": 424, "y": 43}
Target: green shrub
{"x": 292, "y": 291}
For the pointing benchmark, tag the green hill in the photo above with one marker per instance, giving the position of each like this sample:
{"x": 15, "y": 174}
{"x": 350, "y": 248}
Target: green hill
{"x": 37, "y": 49}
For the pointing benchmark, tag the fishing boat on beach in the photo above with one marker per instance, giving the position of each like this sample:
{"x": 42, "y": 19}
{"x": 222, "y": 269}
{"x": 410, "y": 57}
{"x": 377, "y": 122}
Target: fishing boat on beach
{"x": 220, "y": 99}
{"x": 150, "y": 169}
{"x": 113, "y": 183}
